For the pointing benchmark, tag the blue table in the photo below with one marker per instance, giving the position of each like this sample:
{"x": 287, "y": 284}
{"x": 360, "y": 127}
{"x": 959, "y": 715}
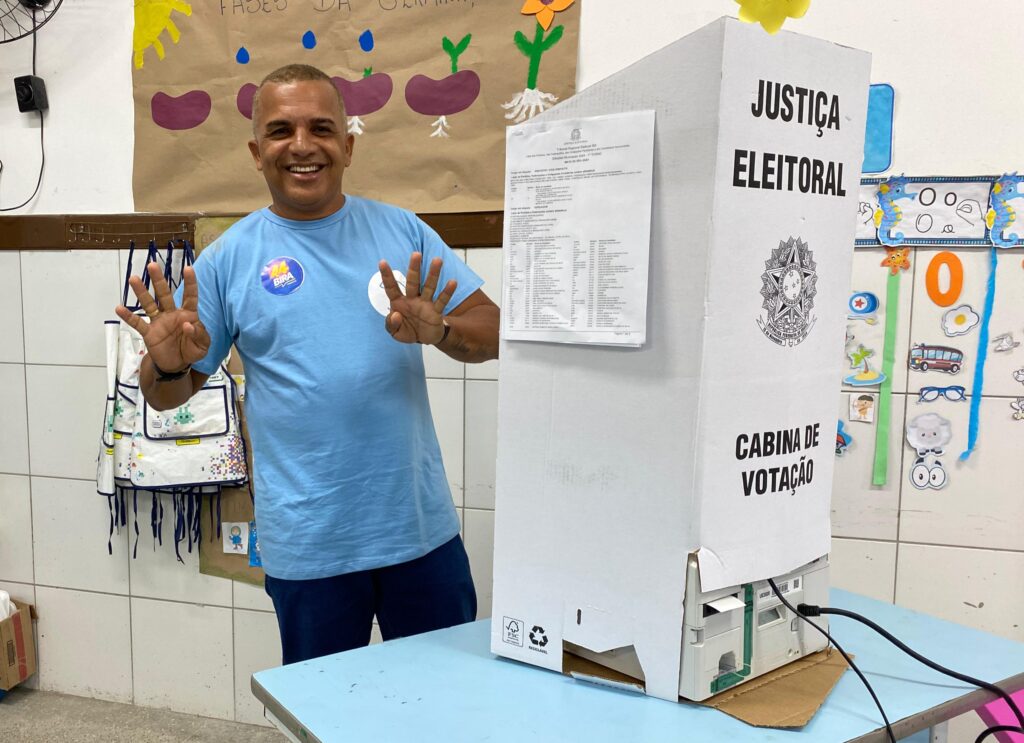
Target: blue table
{"x": 447, "y": 686}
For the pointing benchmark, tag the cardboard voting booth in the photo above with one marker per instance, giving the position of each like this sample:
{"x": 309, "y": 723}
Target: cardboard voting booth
{"x": 707, "y": 452}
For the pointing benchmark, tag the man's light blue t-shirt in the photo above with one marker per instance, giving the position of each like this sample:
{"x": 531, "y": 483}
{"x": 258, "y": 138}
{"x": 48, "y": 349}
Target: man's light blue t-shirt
{"x": 348, "y": 472}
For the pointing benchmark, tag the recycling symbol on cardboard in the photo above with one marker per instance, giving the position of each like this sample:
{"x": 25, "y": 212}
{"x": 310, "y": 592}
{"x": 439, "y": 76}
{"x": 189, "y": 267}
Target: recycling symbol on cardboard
{"x": 537, "y": 636}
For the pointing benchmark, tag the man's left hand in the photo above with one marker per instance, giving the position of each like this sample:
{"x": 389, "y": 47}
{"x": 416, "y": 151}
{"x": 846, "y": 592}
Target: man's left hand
{"x": 416, "y": 316}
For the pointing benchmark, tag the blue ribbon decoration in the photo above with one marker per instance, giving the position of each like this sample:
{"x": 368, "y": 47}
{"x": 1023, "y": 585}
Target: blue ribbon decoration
{"x": 979, "y": 370}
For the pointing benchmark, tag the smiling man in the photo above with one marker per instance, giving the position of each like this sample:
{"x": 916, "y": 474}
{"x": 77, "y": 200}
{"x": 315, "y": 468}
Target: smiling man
{"x": 355, "y": 515}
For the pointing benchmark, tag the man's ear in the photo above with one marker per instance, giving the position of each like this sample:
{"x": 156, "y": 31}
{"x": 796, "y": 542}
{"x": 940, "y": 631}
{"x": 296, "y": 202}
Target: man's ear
{"x": 254, "y": 150}
{"x": 350, "y": 142}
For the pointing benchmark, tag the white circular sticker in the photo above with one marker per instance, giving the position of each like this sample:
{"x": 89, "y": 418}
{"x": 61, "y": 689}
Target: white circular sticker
{"x": 378, "y": 297}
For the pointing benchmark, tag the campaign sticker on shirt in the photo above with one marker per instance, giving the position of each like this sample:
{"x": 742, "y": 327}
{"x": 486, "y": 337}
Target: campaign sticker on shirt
{"x": 379, "y": 297}
{"x": 282, "y": 276}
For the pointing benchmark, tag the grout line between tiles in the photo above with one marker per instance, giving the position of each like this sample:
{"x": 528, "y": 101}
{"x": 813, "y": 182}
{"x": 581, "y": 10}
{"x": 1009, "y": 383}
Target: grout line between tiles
{"x": 1003, "y": 550}
{"x": 28, "y": 424}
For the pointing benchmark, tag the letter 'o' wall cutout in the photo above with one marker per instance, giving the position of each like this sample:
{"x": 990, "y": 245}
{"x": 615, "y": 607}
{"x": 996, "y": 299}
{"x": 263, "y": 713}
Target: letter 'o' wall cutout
{"x": 956, "y": 279}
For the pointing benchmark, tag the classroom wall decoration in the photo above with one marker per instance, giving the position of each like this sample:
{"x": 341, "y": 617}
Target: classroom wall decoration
{"x": 978, "y": 213}
{"x": 429, "y": 86}
{"x": 954, "y": 211}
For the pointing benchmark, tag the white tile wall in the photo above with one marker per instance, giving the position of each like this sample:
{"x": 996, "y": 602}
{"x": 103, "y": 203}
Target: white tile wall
{"x": 11, "y": 325}
{"x": 156, "y": 573}
{"x": 864, "y": 567}
{"x": 257, "y": 648}
{"x": 85, "y": 644}
{"x": 447, "y": 404}
{"x": 13, "y": 419}
{"x": 67, "y": 296}
{"x": 487, "y": 264}
{"x": 65, "y": 409}
{"x": 481, "y": 442}
{"x": 70, "y": 524}
{"x": 20, "y": 591}
{"x": 479, "y": 539}
{"x": 860, "y": 509}
{"x": 981, "y": 504}
{"x": 182, "y": 657}
{"x": 15, "y": 529}
{"x": 976, "y": 587}
{"x": 248, "y": 596}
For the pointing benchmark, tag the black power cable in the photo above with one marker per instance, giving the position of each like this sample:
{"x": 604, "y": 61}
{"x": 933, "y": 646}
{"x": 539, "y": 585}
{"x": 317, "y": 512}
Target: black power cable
{"x": 42, "y": 146}
{"x": 813, "y": 611}
{"x": 998, "y": 729}
{"x": 849, "y": 660}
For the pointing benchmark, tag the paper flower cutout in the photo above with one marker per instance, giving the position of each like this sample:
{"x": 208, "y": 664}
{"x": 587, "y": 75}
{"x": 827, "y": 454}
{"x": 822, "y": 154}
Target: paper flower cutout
{"x": 896, "y": 259}
{"x": 771, "y": 14}
{"x": 544, "y": 10}
{"x": 959, "y": 320}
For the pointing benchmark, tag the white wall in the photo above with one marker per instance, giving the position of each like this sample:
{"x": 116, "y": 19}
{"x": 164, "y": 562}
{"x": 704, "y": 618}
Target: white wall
{"x": 957, "y": 114}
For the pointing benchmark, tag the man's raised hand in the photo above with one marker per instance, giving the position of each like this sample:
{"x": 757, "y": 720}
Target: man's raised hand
{"x": 174, "y": 336}
{"x": 416, "y": 316}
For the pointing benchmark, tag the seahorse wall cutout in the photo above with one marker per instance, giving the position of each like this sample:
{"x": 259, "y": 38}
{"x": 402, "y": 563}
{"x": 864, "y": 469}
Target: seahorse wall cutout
{"x": 890, "y": 215}
{"x": 1001, "y": 216}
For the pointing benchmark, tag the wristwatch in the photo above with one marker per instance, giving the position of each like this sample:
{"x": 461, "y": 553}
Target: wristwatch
{"x": 163, "y": 376}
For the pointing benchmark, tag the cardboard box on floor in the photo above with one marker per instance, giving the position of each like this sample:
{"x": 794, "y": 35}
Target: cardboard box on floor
{"x": 17, "y": 647}
{"x": 716, "y": 437}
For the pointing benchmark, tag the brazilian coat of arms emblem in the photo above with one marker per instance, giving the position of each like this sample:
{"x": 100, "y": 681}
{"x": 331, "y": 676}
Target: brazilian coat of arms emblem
{"x": 788, "y": 287}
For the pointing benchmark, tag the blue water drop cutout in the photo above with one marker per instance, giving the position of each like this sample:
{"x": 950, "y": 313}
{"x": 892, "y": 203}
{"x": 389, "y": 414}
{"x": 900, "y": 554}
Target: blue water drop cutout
{"x": 242, "y": 56}
{"x": 309, "y": 40}
{"x": 366, "y": 40}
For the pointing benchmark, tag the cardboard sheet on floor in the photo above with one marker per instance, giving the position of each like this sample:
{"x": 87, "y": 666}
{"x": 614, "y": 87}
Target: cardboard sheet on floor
{"x": 787, "y": 697}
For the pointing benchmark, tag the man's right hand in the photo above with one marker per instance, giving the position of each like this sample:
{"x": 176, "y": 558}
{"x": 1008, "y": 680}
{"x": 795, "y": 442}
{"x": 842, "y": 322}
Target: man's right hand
{"x": 174, "y": 336}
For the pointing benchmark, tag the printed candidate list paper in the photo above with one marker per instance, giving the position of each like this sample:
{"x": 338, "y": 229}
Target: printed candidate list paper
{"x": 578, "y": 229}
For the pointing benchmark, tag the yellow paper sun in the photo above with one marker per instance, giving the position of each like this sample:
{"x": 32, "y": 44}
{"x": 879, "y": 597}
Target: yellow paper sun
{"x": 545, "y": 10}
{"x": 771, "y": 14}
{"x": 152, "y": 18}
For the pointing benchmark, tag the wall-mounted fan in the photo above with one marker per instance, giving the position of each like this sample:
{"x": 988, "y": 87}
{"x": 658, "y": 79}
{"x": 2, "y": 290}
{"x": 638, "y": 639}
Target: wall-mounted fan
{"x": 20, "y": 18}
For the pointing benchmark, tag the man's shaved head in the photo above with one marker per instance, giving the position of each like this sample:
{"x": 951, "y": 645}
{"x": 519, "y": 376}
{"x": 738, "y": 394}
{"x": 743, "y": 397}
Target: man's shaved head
{"x": 293, "y": 73}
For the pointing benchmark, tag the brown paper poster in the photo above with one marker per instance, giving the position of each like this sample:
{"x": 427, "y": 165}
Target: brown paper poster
{"x": 429, "y": 86}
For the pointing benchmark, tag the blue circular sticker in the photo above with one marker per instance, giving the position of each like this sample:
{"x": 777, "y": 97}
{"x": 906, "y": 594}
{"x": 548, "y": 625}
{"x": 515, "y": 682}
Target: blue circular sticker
{"x": 282, "y": 276}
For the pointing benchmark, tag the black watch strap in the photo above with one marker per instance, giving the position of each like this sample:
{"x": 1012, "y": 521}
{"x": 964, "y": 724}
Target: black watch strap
{"x": 163, "y": 376}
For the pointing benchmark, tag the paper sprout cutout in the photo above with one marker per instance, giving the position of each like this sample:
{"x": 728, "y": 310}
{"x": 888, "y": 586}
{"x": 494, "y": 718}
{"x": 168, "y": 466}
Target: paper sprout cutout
{"x": 896, "y": 260}
{"x": 866, "y": 376}
{"x": 929, "y": 434}
{"x": 960, "y": 320}
{"x": 152, "y": 18}
{"x": 1003, "y": 343}
{"x": 366, "y": 95}
{"x": 771, "y": 14}
{"x": 863, "y": 306}
{"x": 531, "y": 101}
{"x": 447, "y": 96}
